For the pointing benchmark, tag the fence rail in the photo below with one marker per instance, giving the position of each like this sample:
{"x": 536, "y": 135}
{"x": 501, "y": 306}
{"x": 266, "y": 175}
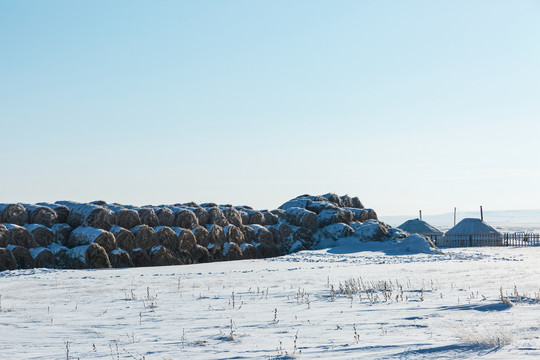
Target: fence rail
{"x": 506, "y": 239}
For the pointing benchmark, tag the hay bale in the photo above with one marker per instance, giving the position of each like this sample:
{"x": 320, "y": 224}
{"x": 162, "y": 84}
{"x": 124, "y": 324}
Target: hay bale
{"x": 372, "y": 215}
{"x": 217, "y": 217}
{"x": 125, "y": 239}
{"x": 334, "y": 216}
{"x": 89, "y": 215}
{"x": 231, "y": 251}
{"x": 371, "y": 230}
{"x": 200, "y": 254}
{"x": 262, "y": 235}
{"x": 216, "y": 253}
{"x": 42, "y": 234}
{"x": 61, "y": 211}
{"x": 59, "y": 253}
{"x": 318, "y": 206}
{"x": 165, "y": 216}
{"x": 140, "y": 258}
{"x": 91, "y": 256}
{"x": 43, "y": 257}
{"x": 269, "y": 218}
{"x": 86, "y": 235}
{"x": 184, "y": 257}
{"x": 148, "y": 217}
{"x": 185, "y": 218}
{"x": 333, "y": 198}
{"x": 168, "y": 238}
{"x": 22, "y": 256}
{"x": 300, "y": 201}
{"x": 267, "y": 251}
{"x": 356, "y": 203}
{"x": 145, "y": 237}
{"x": 276, "y": 236}
{"x": 202, "y": 215}
{"x": 61, "y": 233}
{"x": 208, "y": 205}
{"x": 217, "y": 235}
{"x": 249, "y": 234}
{"x": 7, "y": 260}
{"x": 302, "y": 217}
{"x": 186, "y": 238}
{"x": 13, "y": 214}
{"x": 120, "y": 259}
{"x": 98, "y": 202}
{"x": 360, "y": 215}
{"x": 127, "y": 218}
{"x": 346, "y": 201}
{"x": 161, "y": 256}
{"x": 202, "y": 236}
{"x": 284, "y": 230}
{"x": 232, "y": 216}
{"x": 39, "y": 214}
{"x": 233, "y": 234}
{"x": 244, "y": 216}
{"x": 5, "y": 236}
{"x": 20, "y": 236}
{"x": 333, "y": 232}
{"x": 249, "y": 251}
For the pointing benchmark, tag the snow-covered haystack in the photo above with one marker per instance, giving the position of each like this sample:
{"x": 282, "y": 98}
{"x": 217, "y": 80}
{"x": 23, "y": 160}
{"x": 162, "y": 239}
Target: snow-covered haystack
{"x": 40, "y": 214}
{"x": 88, "y": 215}
{"x": 124, "y": 238}
{"x": 86, "y": 235}
{"x": 5, "y": 236}
{"x": 43, "y": 257}
{"x": 148, "y": 217}
{"x": 145, "y": 237}
{"x": 7, "y": 260}
{"x": 61, "y": 211}
{"x": 13, "y": 214}
{"x": 91, "y": 256}
{"x": 22, "y": 256}
{"x": 20, "y": 236}
{"x": 120, "y": 259}
{"x": 42, "y": 234}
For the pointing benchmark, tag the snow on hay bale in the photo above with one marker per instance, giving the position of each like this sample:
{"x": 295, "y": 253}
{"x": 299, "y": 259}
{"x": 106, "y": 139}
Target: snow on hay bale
{"x": 231, "y": 251}
{"x": 255, "y": 217}
{"x": 202, "y": 215}
{"x": 217, "y": 235}
{"x": 333, "y": 232}
{"x": 59, "y": 253}
{"x": 39, "y": 214}
{"x": 127, "y": 218}
{"x": 86, "y": 235}
{"x": 140, "y": 257}
{"x": 276, "y": 236}
{"x": 200, "y": 254}
{"x": 120, "y": 258}
{"x": 42, "y": 234}
{"x": 61, "y": 233}
{"x": 262, "y": 235}
{"x": 20, "y": 236}
{"x": 165, "y": 216}
{"x": 232, "y": 216}
{"x": 269, "y": 218}
{"x": 184, "y": 218}
{"x": 333, "y": 216}
{"x": 217, "y": 217}
{"x": 61, "y": 211}
{"x": 5, "y": 236}
{"x": 249, "y": 233}
{"x": 89, "y": 215}
{"x": 333, "y": 198}
{"x": 186, "y": 238}
{"x": 267, "y": 251}
{"x": 7, "y": 260}
{"x": 91, "y": 256}
{"x": 22, "y": 256}
{"x": 161, "y": 256}
{"x": 371, "y": 230}
{"x": 233, "y": 234}
{"x": 145, "y": 237}
{"x": 303, "y": 218}
{"x": 13, "y": 214}
{"x": 249, "y": 251}
{"x": 148, "y": 217}
{"x": 167, "y": 237}
{"x": 125, "y": 239}
{"x": 43, "y": 257}
{"x": 202, "y": 236}
{"x": 243, "y": 215}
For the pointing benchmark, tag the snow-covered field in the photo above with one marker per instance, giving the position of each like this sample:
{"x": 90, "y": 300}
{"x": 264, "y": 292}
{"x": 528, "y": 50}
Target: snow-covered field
{"x": 352, "y": 301}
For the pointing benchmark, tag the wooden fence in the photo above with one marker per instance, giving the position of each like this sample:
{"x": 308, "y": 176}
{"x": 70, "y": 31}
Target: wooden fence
{"x": 506, "y": 239}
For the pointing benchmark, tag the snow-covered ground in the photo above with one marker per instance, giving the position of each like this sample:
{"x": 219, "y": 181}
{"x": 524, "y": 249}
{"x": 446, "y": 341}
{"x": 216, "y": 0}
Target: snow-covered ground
{"x": 352, "y": 301}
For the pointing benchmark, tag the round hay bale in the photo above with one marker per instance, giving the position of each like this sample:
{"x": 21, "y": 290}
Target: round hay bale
{"x": 276, "y": 236}
{"x": 262, "y": 235}
{"x": 61, "y": 233}
{"x": 148, "y": 217}
{"x": 231, "y": 251}
{"x": 165, "y": 216}
{"x": 216, "y": 253}
{"x": 303, "y": 236}
{"x": 346, "y": 201}
{"x": 202, "y": 236}
{"x": 184, "y": 257}
{"x": 59, "y": 253}
{"x": 13, "y": 214}
{"x": 86, "y": 235}
{"x": 267, "y": 251}
{"x": 233, "y": 234}
{"x": 167, "y": 237}
{"x": 278, "y": 212}
{"x": 61, "y": 211}
{"x": 318, "y": 206}
{"x": 372, "y": 215}
{"x": 43, "y": 257}
{"x": 217, "y": 217}
{"x": 269, "y": 218}
{"x": 249, "y": 251}
{"x": 90, "y": 215}
{"x": 161, "y": 256}
{"x": 7, "y": 260}
{"x": 127, "y": 218}
{"x": 302, "y": 217}
{"x": 334, "y": 216}
{"x": 232, "y": 216}
{"x": 186, "y": 237}
{"x": 125, "y": 239}
{"x": 98, "y": 202}
{"x": 120, "y": 259}
{"x": 145, "y": 237}
{"x": 356, "y": 203}
{"x": 22, "y": 256}
{"x": 208, "y": 205}
{"x": 140, "y": 258}
{"x": 202, "y": 215}
{"x": 249, "y": 234}
{"x": 256, "y": 217}
{"x": 284, "y": 230}
{"x": 91, "y": 256}
{"x": 39, "y": 214}
{"x": 217, "y": 235}
{"x": 42, "y": 234}
{"x": 333, "y": 198}
{"x": 200, "y": 254}
{"x": 20, "y": 236}
{"x": 185, "y": 218}
{"x": 371, "y": 230}
{"x": 5, "y": 236}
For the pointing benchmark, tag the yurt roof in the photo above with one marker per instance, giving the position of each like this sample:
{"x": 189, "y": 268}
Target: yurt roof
{"x": 417, "y": 226}
{"x": 471, "y": 226}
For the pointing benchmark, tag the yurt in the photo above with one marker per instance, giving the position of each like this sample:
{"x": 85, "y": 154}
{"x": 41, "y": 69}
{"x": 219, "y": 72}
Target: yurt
{"x": 417, "y": 226}
{"x": 472, "y": 232}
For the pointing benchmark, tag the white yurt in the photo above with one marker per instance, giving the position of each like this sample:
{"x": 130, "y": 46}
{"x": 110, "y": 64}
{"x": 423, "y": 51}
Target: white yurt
{"x": 417, "y": 226}
{"x": 473, "y": 232}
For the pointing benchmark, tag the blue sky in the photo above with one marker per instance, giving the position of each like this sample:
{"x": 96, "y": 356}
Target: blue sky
{"x": 408, "y": 105}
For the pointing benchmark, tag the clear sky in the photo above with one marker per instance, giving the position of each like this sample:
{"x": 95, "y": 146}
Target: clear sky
{"x": 406, "y": 104}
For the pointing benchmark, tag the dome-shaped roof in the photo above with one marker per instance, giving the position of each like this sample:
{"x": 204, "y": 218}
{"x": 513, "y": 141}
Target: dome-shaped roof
{"x": 417, "y": 226}
{"x": 471, "y": 226}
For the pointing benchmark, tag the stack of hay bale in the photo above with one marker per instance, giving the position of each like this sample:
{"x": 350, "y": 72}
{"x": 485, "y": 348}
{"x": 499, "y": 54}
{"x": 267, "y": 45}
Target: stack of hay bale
{"x": 68, "y": 234}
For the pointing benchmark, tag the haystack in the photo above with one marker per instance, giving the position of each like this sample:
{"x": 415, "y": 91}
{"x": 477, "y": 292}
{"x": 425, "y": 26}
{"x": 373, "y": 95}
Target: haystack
{"x": 334, "y": 216}
{"x": 91, "y": 256}
{"x": 333, "y": 198}
{"x": 217, "y": 217}
{"x": 202, "y": 215}
{"x": 249, "y": 234}
{"x": 231, "y": 251}
{"x": 184, "y": 218}
{"x": 267, "y": 251}
{"x": 232, "y": 216}
{"x": 269, "y": 218}
{"x": 43, "y": 257}
{"x": 186, "y": 237}
{"x": 61, "y": 233}
{"x": 13, "y": 214}
{"x": 217, "y": 235}
{"x": 262, "y": 235}
{"x": 7, "y": 260}
{"x": 39, "y": 214}
{"x": 127, "y": 218}
{"x": 22, "y": 256}
{"x": 42, "y": 234}
{"x": 86, "y": 235}
{"x": 255, "y": 217}
{"x": 5, "y": 236}
{"x": 346, "y": 201}
{"x": 145, "y": 237}
{"x": 302, "y": 217}
{"x": 59, "y": 253}
{"x": 124, "y": 238}
{"x": 233, "y": 234}
{"x": 249, "y": 251}
{"x": 61, "y": 211}
{"x": 284, "y": 230}
{"x": 167, "y": 237}
{"x": 201, "y": 235}
{"x": 148, "y": 217}
{"x": 165, "y": 216}
{"x": 303, "y": 236}
{"x": 184, "y": 257}
{"x": 20, "y": 236}
{"x": 140, "y": 258}
{"x": 89, "y": 215}
{"x": 120, "y": 259}
{"x": 200, "y": 254}
{"x": 356, "y": 203}
{"x": 276, "y": 236}
{"x": 371, "y": 230}
{"x": 161, "y": 256}
{"x": 98, "y": 202}
{"x": 243, "y": 215}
